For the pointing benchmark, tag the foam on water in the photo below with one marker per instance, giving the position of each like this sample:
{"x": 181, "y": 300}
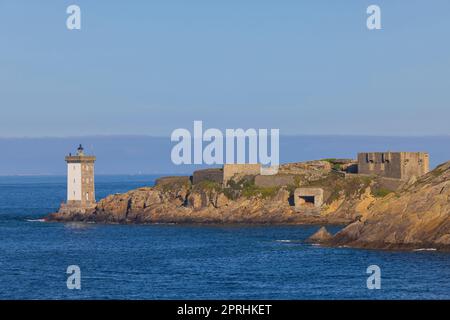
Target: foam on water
{"x": 35, "y": 220}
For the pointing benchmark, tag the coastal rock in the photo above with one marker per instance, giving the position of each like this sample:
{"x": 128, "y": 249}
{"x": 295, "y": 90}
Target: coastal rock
{"x": 150, "y": 205}
{"x": 194, "y": 200}
{"x": 418, "y": 216}
{"x": 221, "y": 201}
{"x": 282, "y": 196}
{"x": 320, "y": 236}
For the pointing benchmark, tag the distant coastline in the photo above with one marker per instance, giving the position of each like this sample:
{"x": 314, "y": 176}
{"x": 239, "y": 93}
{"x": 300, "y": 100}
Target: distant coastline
{"x": 136, "y": 153}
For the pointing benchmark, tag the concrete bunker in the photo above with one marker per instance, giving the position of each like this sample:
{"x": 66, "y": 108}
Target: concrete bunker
{"x": 308, "y": 198}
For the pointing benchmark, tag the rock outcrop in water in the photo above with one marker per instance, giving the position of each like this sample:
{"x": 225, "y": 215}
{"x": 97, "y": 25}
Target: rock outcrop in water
{"x": 322, "y": 235}
{"x": 415, "y": 217}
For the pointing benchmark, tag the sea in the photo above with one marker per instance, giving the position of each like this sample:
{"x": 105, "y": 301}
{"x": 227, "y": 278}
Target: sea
{"x": 171, "y": 261}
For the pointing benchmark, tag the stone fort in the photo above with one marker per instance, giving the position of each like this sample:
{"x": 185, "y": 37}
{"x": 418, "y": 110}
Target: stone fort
{"x": 226, "y": 173}
{"x": 398, "y": 165}
{"x": 395, "y": 167}
{"x": 392, "y": 170}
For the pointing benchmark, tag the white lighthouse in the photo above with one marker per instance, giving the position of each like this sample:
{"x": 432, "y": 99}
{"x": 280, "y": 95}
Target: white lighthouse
{"x": 80, "y": 182}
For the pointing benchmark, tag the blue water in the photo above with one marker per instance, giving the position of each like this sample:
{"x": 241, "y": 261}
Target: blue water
{"x": 188, "y": 262}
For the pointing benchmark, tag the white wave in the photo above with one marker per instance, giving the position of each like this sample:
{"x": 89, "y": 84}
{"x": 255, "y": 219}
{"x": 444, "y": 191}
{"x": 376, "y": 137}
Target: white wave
{"x": 284, "y": 240}
{"x": 425, "y": 249}
{"x": 35, "y": 220}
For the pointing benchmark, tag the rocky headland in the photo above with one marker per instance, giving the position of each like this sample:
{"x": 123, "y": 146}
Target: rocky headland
{"x": 413, "y": 215}
{"x": 177, "y": 200}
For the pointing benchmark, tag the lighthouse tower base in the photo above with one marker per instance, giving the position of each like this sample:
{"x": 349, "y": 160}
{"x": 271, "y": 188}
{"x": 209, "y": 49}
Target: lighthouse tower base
{"x": 75, "y": 207}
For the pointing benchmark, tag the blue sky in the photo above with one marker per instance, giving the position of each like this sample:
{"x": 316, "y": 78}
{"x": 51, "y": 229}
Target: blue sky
{"x": 148, "y": 67}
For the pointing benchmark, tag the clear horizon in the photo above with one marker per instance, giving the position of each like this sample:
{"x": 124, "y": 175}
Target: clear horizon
{"x": 151, "y": 155}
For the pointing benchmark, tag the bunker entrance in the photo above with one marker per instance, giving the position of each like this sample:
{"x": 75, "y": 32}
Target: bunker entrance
{"x": 307, "y": 200}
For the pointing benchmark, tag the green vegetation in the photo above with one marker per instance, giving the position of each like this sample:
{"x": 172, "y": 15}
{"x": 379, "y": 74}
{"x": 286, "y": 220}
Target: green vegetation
{"x": 174, "y": 185}
{"x": 334, "y": 186}
{"x": 263, "y": 192}
{"x": 337, "y": 166}
{"x": 246, "y": 187}
{"x": 297, "y": 183}
{"x": 207, "y": 185}
{"x": 381, "y": 192}
{"x": 334, "y": 165}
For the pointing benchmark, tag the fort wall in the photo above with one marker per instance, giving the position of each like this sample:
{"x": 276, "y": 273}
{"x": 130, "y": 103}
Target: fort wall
{"x": 398, "y": 165}
{"x": 231, "y": 170}
{"x": 214, "y": 175}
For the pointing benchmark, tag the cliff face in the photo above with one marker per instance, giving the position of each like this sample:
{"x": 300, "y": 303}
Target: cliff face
{"x": 417, "y": 216}
{"x": 152, "y": 205}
